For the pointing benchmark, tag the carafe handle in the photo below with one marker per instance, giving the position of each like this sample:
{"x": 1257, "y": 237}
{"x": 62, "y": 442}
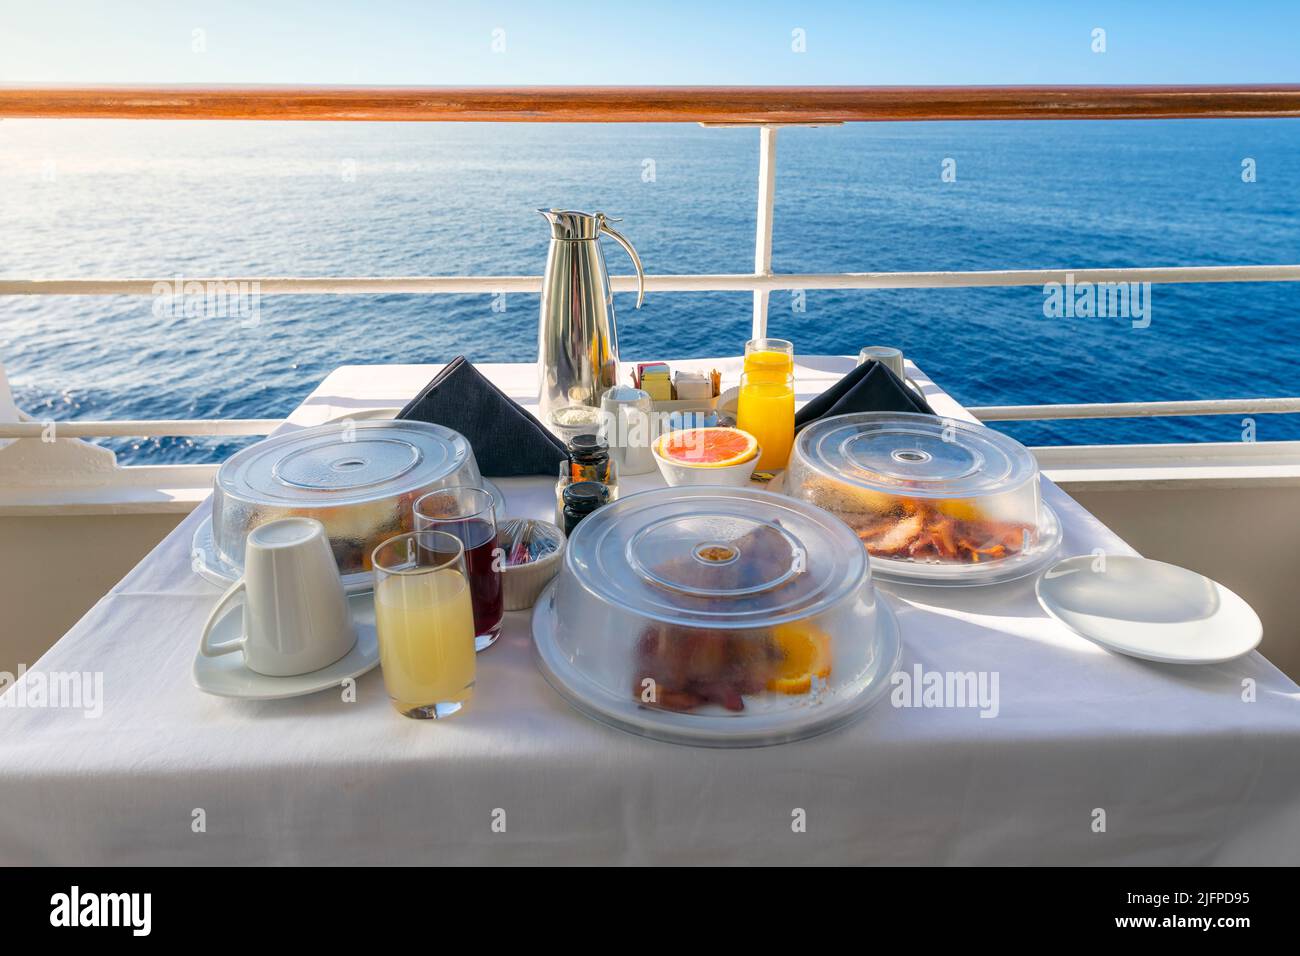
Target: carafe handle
{"x": 627, "y": 247}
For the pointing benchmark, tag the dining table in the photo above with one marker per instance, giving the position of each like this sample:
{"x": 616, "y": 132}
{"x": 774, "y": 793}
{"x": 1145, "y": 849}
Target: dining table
{"x": 1083, "y": 755}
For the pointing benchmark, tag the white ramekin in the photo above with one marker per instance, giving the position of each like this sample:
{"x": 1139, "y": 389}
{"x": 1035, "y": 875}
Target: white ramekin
{"x": 521, "y": 584}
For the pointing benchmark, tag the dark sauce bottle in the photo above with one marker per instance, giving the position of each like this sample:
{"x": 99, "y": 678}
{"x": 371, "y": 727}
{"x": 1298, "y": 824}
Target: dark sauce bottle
{"x": 589, "y": 459}
{"x": 580, "y": 499}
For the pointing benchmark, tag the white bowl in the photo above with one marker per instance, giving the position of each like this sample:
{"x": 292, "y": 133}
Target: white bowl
{"x": 679, "y": 474}
{"x": 522, "y": 583}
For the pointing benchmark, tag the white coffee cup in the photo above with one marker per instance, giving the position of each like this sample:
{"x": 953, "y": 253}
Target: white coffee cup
{"x": 296, "y": 616}
{"x": 886, "y": 355}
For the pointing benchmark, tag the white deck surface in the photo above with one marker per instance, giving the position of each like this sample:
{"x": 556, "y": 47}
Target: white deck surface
{"x": 1184, "y": 768}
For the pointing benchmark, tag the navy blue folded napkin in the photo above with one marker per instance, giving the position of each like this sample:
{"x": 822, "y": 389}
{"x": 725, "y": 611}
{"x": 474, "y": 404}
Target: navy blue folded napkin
{"x": 871, "y": 387}
{"x": 506, "y": 439}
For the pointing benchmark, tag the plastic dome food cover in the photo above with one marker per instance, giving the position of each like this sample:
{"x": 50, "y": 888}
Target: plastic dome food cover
{"x": 715, "y": 615}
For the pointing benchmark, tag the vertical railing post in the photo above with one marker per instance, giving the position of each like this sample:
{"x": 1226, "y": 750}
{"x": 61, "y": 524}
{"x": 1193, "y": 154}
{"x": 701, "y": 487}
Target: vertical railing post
{"x": 763, "y": 237}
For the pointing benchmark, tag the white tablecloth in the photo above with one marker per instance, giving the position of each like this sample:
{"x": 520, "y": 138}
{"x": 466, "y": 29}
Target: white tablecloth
{"x": 1185, "y": 770}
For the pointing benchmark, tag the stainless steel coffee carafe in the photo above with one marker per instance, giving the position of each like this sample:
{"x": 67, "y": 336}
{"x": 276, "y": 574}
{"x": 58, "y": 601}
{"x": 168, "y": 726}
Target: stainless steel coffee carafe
{"x": 577, "y": 339}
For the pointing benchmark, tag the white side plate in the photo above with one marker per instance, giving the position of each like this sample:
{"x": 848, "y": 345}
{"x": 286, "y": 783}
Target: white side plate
{"x": 1149, "y": 609}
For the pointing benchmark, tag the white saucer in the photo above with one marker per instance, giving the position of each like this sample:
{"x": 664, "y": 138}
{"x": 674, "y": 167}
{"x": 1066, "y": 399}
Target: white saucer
{"x": 1149, "y": 609}
{"x": 226, "y": 676}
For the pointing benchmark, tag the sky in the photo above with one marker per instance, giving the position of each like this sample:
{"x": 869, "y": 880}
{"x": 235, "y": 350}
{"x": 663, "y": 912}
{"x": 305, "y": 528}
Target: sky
{"x": 652, "y": 42}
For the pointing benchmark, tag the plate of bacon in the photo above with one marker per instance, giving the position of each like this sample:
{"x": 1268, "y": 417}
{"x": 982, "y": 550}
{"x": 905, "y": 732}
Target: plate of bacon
{"x": 933, "y": 500}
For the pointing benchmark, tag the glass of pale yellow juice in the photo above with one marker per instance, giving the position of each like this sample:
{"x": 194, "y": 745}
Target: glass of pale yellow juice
{"x": 765, "y": 409}
{"x": 424, "y": 616}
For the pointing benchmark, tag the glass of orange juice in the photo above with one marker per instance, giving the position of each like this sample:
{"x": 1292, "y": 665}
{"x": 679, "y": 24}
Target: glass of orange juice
{"x": 766, "y": 411}
{"x": 424, "y": 616}
{"x": 769, "y": 358}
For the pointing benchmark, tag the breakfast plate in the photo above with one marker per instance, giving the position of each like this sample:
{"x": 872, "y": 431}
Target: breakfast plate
{"x": 934, "y": 501}
{"x": 1149, "y": 609}
{"x": 1029, "y": 560}
{"x": 226, "y": 676}
{"x": 767, "y": 721}
{"x": 716, "y": 617}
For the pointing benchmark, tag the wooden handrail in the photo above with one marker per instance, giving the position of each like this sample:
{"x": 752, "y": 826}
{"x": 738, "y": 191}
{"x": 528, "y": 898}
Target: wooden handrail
{"x": 643, "y": 104}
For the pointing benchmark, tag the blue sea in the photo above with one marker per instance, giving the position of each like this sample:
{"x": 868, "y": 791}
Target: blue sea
{"x": 86, "y": 199}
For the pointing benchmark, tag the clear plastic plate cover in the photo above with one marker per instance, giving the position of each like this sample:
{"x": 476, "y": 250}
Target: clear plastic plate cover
{"x": 715, "y": 616}
{"x": 208, "y": 564}
{"x": 933, "y": 500}
{"x": 358, "y": 478}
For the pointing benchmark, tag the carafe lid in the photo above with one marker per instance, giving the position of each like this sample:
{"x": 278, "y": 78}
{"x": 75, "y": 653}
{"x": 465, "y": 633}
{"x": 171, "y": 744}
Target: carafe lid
{"x": 569, "y": 224}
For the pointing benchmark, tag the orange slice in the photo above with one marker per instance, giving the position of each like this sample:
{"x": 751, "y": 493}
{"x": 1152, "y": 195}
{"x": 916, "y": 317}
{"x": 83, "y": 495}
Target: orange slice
{"x": 707, "y": 447}
{"x": 806, "y": 655}
{"x": 963, "y": 509}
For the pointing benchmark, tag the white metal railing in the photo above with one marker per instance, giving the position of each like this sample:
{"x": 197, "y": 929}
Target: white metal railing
{"x": 715, "y": 282}
{"x": 761, "y": 283}
{"x": 158, "y": 428}
{"x": 1213, "y": 406}
{"x": 141, "y": 428}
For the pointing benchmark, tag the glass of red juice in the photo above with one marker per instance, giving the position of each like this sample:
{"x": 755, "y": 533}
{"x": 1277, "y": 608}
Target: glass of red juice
{"x": 467, "y": 513}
